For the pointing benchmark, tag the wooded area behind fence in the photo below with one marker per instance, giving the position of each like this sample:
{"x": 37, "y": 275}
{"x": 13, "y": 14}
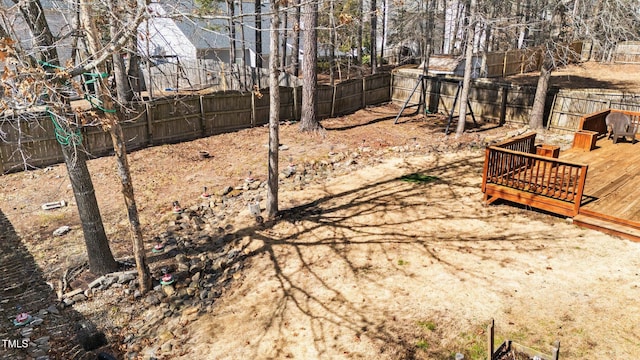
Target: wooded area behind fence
{"x": 30, "y": 139}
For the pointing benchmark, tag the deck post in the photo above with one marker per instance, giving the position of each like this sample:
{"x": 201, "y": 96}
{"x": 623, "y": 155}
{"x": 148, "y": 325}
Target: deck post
{"x": 490, "y": 339}
{"x": 485, "y": 169}
{"x": 581, "y": 182}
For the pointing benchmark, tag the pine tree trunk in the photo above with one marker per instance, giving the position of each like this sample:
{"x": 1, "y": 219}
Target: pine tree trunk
{"x": 101, "y": 259}
{"x": 360, "y": 31}
{"x": 274, "y": 113}
{"x": 466, "y": 82}
{"x": 295, "y": 46}
{"x": 309, "y": 120}
{"x": 374, "y": 38}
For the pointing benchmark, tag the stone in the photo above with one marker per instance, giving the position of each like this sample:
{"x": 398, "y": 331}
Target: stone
{"x": 62, "y": 230}
{"x": 183, "y": 267}
{"x": 42, "y": 340}
{"x": 195, "y": 268}
{"x": 196, "y": 277}
{"x": 53, "y": 310}
{"x": 166, "y": 347}
{"x": 168, "y": 290}
{"x": 126, "y": 277}
{"x": 68, "y": 302}
{"x": 36, "y": 321}
{"x": 182, "y": 258}
{"x": 26, "y": 331}
{"x": 225, "y": 190}
{"x": 152, "y": 299}
{"x": 79, "y": 297}
{"x": 137, "y": 294}
{"x": 97, "y": 282}
{"x": 204, "y": 294}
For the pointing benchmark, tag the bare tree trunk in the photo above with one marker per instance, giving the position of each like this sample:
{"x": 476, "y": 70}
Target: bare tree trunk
{"x": 110, "y": 123}
{"x": 285, "y": 34}
{"x": 536, "y": 118}
{"x": 258, "y": 35}
{"x": 384, "y": 30}
{"x": 332, "y": 43}
{"x": 274, "y": 113}
{"x": 243, "y": 49}
{"x": 101, "y": 259}
{"x": 360, "y": 30}
{"x": 231, "y": 9}
{"x": 117, "y": 137}
{"x": 453, "y": 36}
{"x": 374, "y": 33}
{"x": 309, "y": 120}
{"x": 123, "y": 88}
{"x": 466, "y": 82}
{"x": 295, "y": 47}
{"x": 44, "y": 41}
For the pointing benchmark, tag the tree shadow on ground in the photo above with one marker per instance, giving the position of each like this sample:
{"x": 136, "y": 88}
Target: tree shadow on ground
{"x": 24, "y": 289}
{"x": 360, "y": 233}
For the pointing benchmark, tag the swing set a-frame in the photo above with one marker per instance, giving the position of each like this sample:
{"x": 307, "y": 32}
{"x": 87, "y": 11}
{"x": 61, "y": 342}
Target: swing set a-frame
{"x": 422, "y": 103}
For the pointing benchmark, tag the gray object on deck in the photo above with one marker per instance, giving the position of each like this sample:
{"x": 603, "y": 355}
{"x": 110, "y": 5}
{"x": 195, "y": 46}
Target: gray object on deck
{"x": 621, "y": 126}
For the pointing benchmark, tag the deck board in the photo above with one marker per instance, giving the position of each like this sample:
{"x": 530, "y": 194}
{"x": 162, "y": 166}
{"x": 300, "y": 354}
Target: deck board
{"x": 612, "y": 179}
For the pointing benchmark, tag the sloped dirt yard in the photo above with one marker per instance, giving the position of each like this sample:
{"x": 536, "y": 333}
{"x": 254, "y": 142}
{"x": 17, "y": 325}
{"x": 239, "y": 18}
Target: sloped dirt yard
{"x": 383, "y": 249}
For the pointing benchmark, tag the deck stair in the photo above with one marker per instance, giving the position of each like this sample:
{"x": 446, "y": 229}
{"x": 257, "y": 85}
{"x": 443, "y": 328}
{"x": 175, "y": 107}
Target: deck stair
{"x": 608, "y": 224}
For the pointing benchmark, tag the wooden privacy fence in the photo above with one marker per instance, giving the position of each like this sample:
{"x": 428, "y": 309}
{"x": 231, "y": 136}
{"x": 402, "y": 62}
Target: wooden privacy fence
{"x": 29, "y": 140}
{"x": 512, "y": 171}
{"x": 490, "y": 101}
{"x": 520, "y": 61}
{"x": 569, "y": 106}
{"x": 627, "y": 52}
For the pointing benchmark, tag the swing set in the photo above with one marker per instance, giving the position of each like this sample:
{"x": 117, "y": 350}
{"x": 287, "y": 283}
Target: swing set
{"x": 423, "y": 99}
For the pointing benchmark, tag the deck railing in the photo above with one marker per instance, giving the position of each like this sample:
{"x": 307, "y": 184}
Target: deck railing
{"x": 596, "y": 121}
{"x": 542, "y": 182}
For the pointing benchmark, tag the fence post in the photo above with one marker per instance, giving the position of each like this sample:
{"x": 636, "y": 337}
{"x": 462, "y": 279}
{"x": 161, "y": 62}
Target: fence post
{"x": 333, "y": 100}
{"x": 435, "y": 86}
{"x": 149, "y": 107}
{"x": 503, "y": 105}
{"x": 1, "y": 161}
{"x": 490, "y": 339}
{"x": 253, "y": 109}
{"x": 202, "y": 127}
{"x": 296, "y": 102}
{"x": 364, "y": 92}
{"x": 504, "y": 63}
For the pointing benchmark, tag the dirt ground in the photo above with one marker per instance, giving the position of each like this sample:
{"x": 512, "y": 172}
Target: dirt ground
{"x": 389, "y": 256}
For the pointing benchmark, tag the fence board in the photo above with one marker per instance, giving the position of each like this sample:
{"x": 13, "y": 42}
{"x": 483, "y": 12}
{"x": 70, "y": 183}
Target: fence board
{"x": 571, "y": 105}
{"x": 348, "y": 98}
{"x": 175, "y": 120}
{"x": 325, "y": 101}
{"x": 494, "y": 63}
{"x": 627, "y": 52}
{"x": 513, "y": 62}
{"x": 28, "y": 142}
{"x": 376, "y": 88}
{"x": 225, "y": 112}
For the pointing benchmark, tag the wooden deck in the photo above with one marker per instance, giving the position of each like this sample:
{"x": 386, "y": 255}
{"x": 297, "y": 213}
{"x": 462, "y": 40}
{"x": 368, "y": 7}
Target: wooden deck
{"x": 595, "y": 182}
{"x": 610, "y": 200}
